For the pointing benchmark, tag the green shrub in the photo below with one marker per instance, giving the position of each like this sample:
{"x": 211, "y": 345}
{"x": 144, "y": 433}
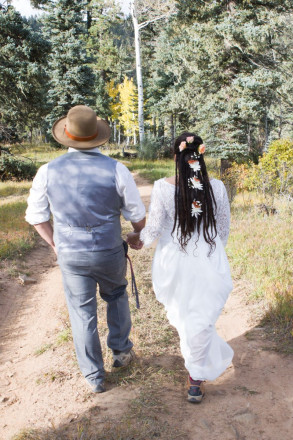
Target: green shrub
{"x": 12, "y": 168}
{"x": 235, "y": 179}
{"x": 274, "y": 173}
{"x": 150, "y": 148}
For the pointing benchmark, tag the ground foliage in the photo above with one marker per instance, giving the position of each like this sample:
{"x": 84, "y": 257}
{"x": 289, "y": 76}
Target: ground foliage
{"x": 13, "y": 168}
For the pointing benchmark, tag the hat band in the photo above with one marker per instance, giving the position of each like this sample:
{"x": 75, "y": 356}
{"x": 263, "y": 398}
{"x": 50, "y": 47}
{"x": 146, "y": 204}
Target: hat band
{"x": 80, "y": 138}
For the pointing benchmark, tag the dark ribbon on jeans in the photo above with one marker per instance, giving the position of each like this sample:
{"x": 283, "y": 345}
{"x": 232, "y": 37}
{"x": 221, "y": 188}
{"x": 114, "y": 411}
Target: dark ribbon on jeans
{"x": 133, "y": 282}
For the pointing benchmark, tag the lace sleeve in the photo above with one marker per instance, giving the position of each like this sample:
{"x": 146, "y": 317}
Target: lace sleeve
{"x": 223, "y": 215}
{"x": 156, "y": 218}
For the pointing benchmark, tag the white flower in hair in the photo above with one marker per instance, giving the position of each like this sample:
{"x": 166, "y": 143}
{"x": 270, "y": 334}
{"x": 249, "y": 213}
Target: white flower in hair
{"x": 195, "y": 183}
{"x": 196, "y": 208}
{"x": 194, "y": 164}
{"x": 182, "y": 146}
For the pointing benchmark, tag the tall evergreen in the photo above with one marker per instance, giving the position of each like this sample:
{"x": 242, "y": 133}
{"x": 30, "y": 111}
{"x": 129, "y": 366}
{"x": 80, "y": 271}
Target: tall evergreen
{"x": 71, "y": 77}
{"x": 221, "y": 65}
{"x": 23, "y": 80}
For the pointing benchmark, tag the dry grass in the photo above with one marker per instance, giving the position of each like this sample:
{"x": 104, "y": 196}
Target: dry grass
{"x": 39, "y": 152}
{"x": 140, "y": 422}
{"x": 16, "y": 235}
{"x": 260, "y": 251}
{"x": 154, "y": 170}
{"x": 13, "y": 189}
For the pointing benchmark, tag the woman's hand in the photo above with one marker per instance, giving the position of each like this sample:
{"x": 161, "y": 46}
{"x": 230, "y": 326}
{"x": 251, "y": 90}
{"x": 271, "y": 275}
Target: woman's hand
{"x": 134, "y": 241}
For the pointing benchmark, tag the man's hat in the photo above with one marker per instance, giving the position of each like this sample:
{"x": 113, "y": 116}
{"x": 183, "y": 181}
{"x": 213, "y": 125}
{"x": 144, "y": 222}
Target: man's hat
{"x": 81, "y": 129}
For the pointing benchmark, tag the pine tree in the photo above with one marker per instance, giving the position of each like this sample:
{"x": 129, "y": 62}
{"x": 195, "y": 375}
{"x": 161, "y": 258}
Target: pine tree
{"x": 23, "y": 80}
{"x": 72, "y": 80}
{"x": 220, "y": 66}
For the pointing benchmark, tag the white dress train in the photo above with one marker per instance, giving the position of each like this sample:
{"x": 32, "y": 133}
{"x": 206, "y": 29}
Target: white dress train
{"x": 192, "y": 285}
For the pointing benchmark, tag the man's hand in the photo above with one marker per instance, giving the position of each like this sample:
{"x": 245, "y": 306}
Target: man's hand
{"x": 134, "y": 241}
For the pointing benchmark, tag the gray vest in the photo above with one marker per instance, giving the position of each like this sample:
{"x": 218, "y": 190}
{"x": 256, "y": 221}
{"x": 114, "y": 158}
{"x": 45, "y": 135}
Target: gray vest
{"x": 82, "y": 193}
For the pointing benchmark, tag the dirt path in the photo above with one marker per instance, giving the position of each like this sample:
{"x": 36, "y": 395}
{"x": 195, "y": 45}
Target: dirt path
{"x": 41, "y": 387}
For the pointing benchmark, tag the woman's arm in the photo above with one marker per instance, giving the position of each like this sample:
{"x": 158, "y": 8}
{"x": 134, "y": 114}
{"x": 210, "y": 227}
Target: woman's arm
{"x": 223, "y": 216}
{"x": 156, "y": 218}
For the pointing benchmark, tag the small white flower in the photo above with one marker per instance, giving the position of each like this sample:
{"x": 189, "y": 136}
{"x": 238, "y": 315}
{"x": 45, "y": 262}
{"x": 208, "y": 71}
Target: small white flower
{"x": 195, "y": 183}
{"x": 196, "y": 208}
{"x": 182, "y": 146}
{"x": 194, "y": 164}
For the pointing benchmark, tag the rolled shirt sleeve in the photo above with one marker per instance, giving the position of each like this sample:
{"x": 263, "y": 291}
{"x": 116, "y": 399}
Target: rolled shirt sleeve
{"x": 38, "y": 210}
{"x": 132, "y": 209}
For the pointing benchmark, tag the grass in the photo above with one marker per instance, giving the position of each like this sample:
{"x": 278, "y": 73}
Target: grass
{"x": 43, "y": 349}
{"x": 64, "y": 336}
{"x": 154, "y": 170}
{"x": 39, "y": 152}
{"x": 260, "y": 252}
{"x": 139, "y": 422}
{"x": 16, "y": 235}
{"x": 8, "y": 189}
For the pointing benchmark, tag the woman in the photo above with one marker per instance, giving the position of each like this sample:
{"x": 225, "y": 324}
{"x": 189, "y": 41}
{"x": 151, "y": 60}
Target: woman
{"x": 190, "y": 215}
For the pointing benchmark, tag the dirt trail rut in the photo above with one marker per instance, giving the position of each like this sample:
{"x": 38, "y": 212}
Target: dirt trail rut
{"x": 252, "y": 400}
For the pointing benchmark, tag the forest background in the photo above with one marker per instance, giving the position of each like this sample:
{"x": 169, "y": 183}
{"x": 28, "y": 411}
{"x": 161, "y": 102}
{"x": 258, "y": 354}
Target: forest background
{"x": 220, "y": 68}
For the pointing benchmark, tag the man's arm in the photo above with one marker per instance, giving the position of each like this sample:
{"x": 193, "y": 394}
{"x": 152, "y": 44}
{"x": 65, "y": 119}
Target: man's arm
{"x": 133, "y": 237}
{"x": 133, "y": 209}
{"x": 46, "y": 232}
{"x": 138, "y": 226}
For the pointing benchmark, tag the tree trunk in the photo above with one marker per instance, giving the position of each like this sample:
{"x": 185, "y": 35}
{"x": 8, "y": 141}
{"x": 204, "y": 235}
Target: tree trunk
{"x": 172, "y": 128}
{"x": 115, "y": 132}
{"x": 280, "y": 121}
{"x": 161, "y": 132}
{"x": 138, "y": 73}
{"x": 266, "y": 131}
{"x": 225, "y": 164}
{"x": 249, "y": 137}
{"x": 154, "y": 126}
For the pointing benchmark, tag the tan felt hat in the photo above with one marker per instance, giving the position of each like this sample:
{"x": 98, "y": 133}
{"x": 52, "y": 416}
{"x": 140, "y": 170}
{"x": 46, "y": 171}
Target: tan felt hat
{"x": 81, "y": 129}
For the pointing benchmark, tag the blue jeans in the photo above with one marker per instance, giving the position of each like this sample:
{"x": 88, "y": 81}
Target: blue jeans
{"x": 81, "y": 272}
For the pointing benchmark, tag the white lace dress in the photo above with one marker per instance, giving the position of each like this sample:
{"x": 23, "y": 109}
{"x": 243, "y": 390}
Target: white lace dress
{"x": 191, "y": 285}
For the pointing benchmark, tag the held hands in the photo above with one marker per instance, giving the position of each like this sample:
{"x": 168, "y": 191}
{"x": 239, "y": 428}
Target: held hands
{"x": 134, "y": 241}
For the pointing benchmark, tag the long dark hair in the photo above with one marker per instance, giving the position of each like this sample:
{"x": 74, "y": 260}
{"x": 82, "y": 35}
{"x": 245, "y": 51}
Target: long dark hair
{"x": 186, "y": 195}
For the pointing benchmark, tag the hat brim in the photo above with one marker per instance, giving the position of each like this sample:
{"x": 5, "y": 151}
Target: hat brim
{"x": 103, "y": 135}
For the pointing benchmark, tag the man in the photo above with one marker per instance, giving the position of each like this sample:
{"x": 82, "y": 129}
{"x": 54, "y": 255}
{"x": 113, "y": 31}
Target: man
{"x": 86, "y": 192}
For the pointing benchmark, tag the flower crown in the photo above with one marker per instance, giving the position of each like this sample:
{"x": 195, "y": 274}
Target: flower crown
{"x": 194, "y": 182}
{"x": 190, "y": 140}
